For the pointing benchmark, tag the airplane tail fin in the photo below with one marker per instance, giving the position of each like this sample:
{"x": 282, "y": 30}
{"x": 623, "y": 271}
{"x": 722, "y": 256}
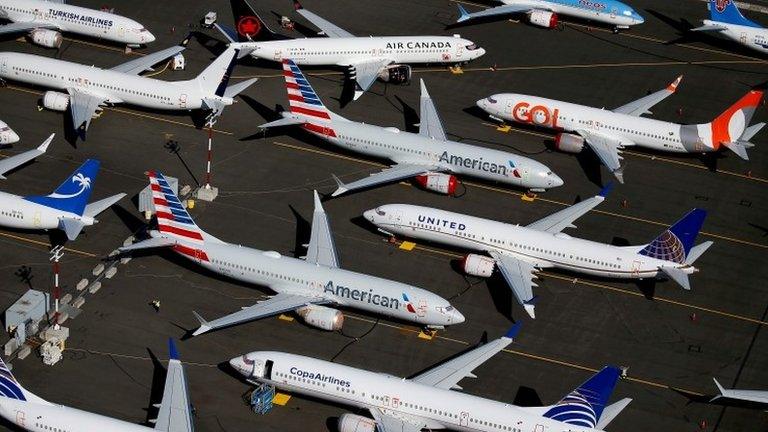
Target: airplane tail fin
{"x": 11, "y": 389}
{"x": 730, "y": 128}
{"x": 214, "y": 79}
{"x": 304, "y": 101}
{"x": 584, "y": 406}
{"x": 173, "y": 220}
{"x": 726, "y": 11}
{"x": 72, "y": 195}
{"x": 249, "y": 27}
{"x": 675, "y": 243}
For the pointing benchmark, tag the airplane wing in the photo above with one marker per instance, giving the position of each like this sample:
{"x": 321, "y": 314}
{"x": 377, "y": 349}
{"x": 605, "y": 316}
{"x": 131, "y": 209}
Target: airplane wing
{"x": 447, "y": 375}
{"x": 18, "y": 27}
{"x": 83, "y": 106}
{"x": 326, "y": 27}
{"x": 20, "y": 159}
{"x": 174, "y": 413}
{"x": 644, "y": 104}
{"x": 606, "y": 148}
{"x": 430, "y": 124}
{"x": 321, "y": 248}
{"x": 389, "y": 175}
{"x": 365, "y": 73}
{"x": 396, "y": 422}
{"x": 139, "y": 65}
{"x": 563, "y": 219}
{"x": 498, "y": 10}
{"x": 272, "y": 306}
{"x": 758, "y": 396}
{"x": 519, "y": 275}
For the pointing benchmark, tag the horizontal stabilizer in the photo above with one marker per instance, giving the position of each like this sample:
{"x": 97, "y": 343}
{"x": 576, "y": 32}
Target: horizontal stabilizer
{"x": 236, "y": 89}
{"x": 697, "y": 251}
{"x": 751, "y": 131}
{"x": 154, "y": 242}
{"x": 611, "y": 411}
{"x": 738, "y": 147}
{"x": 288, "y": 121}
{"x": 71, "y": 227}
{"x": 227, "y": 31}
{"x": 93, "y": 209}
{"x": 678, "y": 276}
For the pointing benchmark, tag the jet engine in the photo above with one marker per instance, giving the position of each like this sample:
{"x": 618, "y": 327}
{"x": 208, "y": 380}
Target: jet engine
{"x": 356, "y": 423}
{"x": 55, "y": 101}
{"x": 438, "y": 182}
{"x": 569, "y": 143}
{"x": 396, "y": 74}
{"x": 322, "y": 317}
{"x": 543, "y": 18}
{"x": 478, "y": 265}
{"x": 46, "y": 38}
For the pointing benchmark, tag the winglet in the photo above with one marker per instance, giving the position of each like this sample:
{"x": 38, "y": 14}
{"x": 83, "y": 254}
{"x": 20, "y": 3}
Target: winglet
{"x": 341, "y": 186}
{"x": 44, "y": 146}
{"x": 530, "y": 309}
{"x": 672, "y": 87}
{"x": 204, "y": 327}
{"x": 719, "y": 387}
{"x": 463, "y": 14}
{"x": 606, "y": 190}
{"x": 173, "y": 353}
{"x": 512, "y": 332}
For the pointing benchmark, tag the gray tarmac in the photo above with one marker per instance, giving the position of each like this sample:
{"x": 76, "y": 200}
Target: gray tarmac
{"x": 669, "y": 338}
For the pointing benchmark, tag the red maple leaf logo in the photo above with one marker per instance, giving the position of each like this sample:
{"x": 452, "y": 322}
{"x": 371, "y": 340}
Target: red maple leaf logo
{"x": 248, "y": 26}
{"x": 720, "y": 5}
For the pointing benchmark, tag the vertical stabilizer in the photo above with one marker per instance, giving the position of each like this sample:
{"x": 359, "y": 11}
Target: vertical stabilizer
{"x": 72, "y": 195}
{"x": 726, "y": 11}
{"x": 584, "y": 405}
{"x": 249, "y": 27}
{"x": 674, "y": 244}
{"x": 11, "y": 389}
{"x": 303, "y": 101}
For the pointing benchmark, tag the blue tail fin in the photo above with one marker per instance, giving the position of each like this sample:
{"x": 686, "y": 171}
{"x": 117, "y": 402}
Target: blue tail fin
{"x": 9, "y": 387}
{"x": 675, "y": 243}
{"x": 584, "y": 405}
{"x": 73, "y": 194}
{"x": 726, "y": 11}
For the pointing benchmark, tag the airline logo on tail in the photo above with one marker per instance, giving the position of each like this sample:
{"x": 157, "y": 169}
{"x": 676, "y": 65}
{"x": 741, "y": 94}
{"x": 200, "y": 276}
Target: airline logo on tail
{"x": 248, "y": 26}
{"x": 666, "y": 247}
{"x": 8, "y": 386}
{"x": 79, "y": 179}
{"x": 574, "y": 409}
{"x": 721, "y": 5}
{"x": 303, "y": 100}
{"x": 730, "y": 125}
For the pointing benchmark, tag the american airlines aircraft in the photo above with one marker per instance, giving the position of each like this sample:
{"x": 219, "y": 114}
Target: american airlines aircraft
{"x": 607, "y": 132}
{"x": 545, "y": 13}
{"x": 387, "y": 58}
{"x": 30, "y": 412}
{"x": 66, "y": 208}
{"x": 88, "y": 88}
{"x": 307, "y": 286}
{"x": 428, "y": 156}
{"x": 726, "y": 20}
{"x": 519, "y": 251}
{"x": 429, "y": 400}
{"x": 7, "y": 135}
{"x": 46, "y": 19}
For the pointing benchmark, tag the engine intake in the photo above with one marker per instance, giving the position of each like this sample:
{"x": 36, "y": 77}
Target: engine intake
{"x": 396, "y": 74}
{"x": 569, "y": 143}
{"x": 55, "y": 101}
{"x": 438, "y": 182}
{"x": 356, "y": 423}
{"x": 478, "y": 265}
{"x": 46, "y": 38}
{"x": 322, "y": 317}
{"x": 543, "y": 18}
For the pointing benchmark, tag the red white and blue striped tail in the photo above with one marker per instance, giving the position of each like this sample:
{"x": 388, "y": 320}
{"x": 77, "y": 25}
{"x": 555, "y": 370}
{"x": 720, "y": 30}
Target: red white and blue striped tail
{"x": 305, "y": 102}
{"x": 173, "y": 220}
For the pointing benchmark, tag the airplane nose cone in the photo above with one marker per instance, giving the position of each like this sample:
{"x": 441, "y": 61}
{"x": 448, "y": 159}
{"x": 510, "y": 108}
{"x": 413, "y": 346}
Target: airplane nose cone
{"x": 457, "y": 318}
{"x": 9, "y": 137}
{"x": 480, "y": 52}
{"x": 149, "y": 37}
{"x": 238, "y": 364}
{"x": 482, "y": 103}
{"x": 555, "y": 180}
{"x": 368, "y": 215}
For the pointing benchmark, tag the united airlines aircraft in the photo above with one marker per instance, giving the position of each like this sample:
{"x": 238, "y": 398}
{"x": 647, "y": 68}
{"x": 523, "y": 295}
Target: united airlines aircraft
{"x": 307, "y": 286}
{"x": 726, "y": 20}
{"x": 429, "y": 400}
{"x": 429, "y": 156}
{"x": 520, "y": 251}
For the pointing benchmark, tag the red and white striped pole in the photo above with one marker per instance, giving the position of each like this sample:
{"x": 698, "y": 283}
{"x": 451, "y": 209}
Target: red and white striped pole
{"x": 56, "y": 254}
{"x": 208, "y": 166}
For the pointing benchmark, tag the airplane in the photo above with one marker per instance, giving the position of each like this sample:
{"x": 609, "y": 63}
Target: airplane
{"x": 387, "y": 58}
{"x": 66, "y": 209}
{"x": 726, "y": 20}
{"x": 428, "y": 400}
{"x": 749, "y": 398}
{"x": 429, "y": 156}
{"x": 607, "y": 132}
{"x": 311, "y": 287}
{"x": 44, "y": 20}
{"x": 7, "y": 135}
{"x": 88, "y": 88}
{"x": 30, "y": 412}
{"x": 12, "y": 162}
{"x": 546, "y": 13}
{"x": 520, "y": 251}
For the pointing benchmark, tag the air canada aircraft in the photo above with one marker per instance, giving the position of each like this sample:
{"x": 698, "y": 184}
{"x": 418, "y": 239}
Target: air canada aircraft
{"x": 727, "y": 21}
{"x": 430, "y": 400}
{"x": 30, "y": 412}
{"x": 44, "y": 20}
{"x": 387, "y": 58}
{"x": 520, "y": 251}
{"x": 428, "y": 156}
{"x": 307, "y": 286}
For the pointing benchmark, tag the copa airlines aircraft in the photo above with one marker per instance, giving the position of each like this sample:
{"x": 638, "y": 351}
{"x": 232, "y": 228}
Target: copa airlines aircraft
{"x": 66, "y": 208}
{"x": 429, "y": 400}
{"x": 304, "y": 286}
{"x": 366, "y": 58}
{"x": 428, "y": 156}
{"x": 88, "y": 88}
{"x": 545, "y": 13}
{"x": 7, "y": 135}
{"x": 519, "y": 251}
{"x": 607, "y": 132}
{"x": 727, "y": 20}
{"x": 45, "y": 19}
{"x": 28, "y": 411}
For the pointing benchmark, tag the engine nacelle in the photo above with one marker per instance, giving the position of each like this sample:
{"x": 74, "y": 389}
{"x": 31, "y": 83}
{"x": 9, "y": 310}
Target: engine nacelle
{"x": 543, "y": 18}
{"x": 478, "y": 265}
{"x": 569, "y": 143}
{"x": 322, "y": 317}
{"x": 396, "y": 74}
{"x": 438, "y": 182}
{"x": 356, "y": 423}
{"x": 55, "y": 101}
{"x": 46, "y": 38}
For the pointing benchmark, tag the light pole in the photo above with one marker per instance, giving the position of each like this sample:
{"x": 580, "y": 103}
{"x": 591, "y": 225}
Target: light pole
{"x": 56, "y": 254}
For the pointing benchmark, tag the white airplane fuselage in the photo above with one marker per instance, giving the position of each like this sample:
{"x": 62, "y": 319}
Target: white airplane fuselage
{"x": 755, "y": 38}
{"x": 441, "y": 409}
{"x": 45, "y": 417}
{"x": 75, "y": 19}
{"x": 7, "y": 135}
{"x": 16, "y": 212}
{"x": 481, "y": 235}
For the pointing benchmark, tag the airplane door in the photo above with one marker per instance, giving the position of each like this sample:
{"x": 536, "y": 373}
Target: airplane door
{"x": 743, "y": 38}
{"x": 38, "y": 15}
{"x": 399, "y": 216}
{"x": 278, "y": 55}
{"x": 421, "y": 312}
{"x": 636, "y": 267}
{"x": 198, "y": 255}
{"x": 538, "y": 428}
{"x": 614, "y": 11}
{"x": 36, "y": 220}
{"x": 183, "y": 101}
{"x": 121, "y": 31}
{"x": 459, "y": 52}
{"x": 21, "y": 417}
{"x": 464, "y": 419}
{"x": 4, "y": 66}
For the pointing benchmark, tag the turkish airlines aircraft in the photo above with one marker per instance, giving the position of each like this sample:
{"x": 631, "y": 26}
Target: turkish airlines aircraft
{"x": 46, "y": 19}
{"x": 545, "y": 13}
{"x": 607, "y": 132}
{"x": 305, "y": 286}
{"x": 519, "y": 251}
{"x": 88, "y": 88}
{"x": 428, "y": 156}
{"x": 387, "y": 58}
{"x": 28, "y": 411}
{"x": 7, "y": 135}
{"x": 726, "y": 20}
{"x": 430, "y": 400}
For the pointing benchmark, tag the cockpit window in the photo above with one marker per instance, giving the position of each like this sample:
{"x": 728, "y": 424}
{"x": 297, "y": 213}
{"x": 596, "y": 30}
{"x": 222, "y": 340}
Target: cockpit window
{"x": 491, "y": 99}
{"x": 471, "y": 47}
{"x": 628, "y": 12}
{"x": 380, "y": 212}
